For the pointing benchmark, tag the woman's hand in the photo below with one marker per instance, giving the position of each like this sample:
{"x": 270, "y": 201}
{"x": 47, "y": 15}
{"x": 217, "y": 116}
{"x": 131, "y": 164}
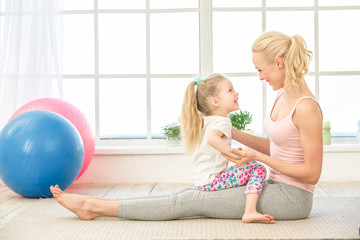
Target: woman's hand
{"x": 244, "y": 156}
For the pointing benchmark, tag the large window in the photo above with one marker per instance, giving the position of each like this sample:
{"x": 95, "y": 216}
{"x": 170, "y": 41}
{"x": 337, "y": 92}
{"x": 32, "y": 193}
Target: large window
{"x": 127, "y": 63}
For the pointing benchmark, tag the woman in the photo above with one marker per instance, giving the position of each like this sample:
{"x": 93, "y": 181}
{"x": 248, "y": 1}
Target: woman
{"x": 293, "y": 151}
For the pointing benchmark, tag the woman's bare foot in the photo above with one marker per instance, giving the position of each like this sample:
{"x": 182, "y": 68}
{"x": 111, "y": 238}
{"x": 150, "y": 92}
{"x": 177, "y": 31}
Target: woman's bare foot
{"x": 78, "y": 204}
{"x": 257, "y": 217}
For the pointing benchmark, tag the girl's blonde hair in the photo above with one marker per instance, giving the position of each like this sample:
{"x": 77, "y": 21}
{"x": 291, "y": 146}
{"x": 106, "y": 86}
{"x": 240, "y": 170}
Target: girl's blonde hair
{"x": 195, "y": 105}
{"x": 293, "y": 50}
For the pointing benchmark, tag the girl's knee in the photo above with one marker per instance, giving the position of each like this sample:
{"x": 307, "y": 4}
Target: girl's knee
{"x": 261, "y": 168}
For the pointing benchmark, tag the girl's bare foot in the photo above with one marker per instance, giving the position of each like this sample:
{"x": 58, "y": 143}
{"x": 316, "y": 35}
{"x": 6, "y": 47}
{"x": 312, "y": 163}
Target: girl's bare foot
{"x": 78, "y": 204}
{"x": 257, "y": 217}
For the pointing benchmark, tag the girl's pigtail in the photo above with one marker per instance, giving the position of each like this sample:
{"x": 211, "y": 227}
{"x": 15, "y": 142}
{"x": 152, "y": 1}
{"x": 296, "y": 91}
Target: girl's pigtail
{"x": 191, "y": 120}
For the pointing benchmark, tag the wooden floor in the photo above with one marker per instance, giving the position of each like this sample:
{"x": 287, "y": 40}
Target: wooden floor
{"x": 14, "y": 208}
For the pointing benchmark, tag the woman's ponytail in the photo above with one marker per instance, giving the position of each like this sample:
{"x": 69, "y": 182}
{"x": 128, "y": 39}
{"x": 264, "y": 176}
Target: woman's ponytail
{"x": 297, "y": 61}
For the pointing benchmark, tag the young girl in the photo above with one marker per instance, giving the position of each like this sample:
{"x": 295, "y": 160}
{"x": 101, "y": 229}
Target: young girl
{"x": 206, "y": 130}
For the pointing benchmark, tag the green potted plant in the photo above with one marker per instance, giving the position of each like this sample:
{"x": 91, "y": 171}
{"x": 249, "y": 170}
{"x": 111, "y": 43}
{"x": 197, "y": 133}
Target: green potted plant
{"x": 172, "y": 133}
{"x": 240, "y": 120}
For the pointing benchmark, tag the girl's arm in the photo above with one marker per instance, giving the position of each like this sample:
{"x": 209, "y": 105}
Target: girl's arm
{"x": 214, "y": 139}
{"x": 260, "y": 144}
{"x": 308, "y": 120}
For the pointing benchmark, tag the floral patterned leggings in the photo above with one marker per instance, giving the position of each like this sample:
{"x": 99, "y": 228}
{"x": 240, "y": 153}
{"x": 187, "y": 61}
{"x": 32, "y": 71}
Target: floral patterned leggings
{"x": 252, "y": 173}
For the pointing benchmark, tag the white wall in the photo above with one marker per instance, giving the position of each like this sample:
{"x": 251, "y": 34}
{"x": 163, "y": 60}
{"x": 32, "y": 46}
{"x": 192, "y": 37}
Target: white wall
{"x": 341, "y": 163}
{"x": 138, "y": 169}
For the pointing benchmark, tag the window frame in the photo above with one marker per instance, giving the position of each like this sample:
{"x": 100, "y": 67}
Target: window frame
{"x": 205, "y": 11}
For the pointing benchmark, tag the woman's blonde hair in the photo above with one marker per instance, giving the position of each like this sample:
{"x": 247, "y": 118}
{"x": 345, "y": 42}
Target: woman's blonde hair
{"x": 195, "y": 105}
{"x": 292, "y": 50}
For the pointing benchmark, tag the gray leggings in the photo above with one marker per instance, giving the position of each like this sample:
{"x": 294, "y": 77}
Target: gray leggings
{"x": 282, "y": 201}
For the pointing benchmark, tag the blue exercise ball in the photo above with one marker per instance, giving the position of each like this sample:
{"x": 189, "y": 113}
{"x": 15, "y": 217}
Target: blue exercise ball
{"x": 39, "y": 149}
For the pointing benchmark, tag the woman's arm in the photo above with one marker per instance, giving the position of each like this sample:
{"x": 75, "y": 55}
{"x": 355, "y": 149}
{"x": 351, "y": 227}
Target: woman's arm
{"x": 259, "y": 144}
{"x": 308, "y": 119}
{"x": 214, "y": 139}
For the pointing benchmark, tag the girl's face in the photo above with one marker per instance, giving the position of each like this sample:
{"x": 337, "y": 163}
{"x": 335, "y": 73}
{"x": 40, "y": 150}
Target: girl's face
{"x": 227, "y": 99}
{"x": 273, "y": 73}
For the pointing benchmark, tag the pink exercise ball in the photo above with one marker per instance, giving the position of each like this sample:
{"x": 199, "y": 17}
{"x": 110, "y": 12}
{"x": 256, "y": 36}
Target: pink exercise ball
{"x": 71, "y": 113}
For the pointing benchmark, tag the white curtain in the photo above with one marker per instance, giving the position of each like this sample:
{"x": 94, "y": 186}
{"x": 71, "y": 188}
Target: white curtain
{"x": 30, "y": 53}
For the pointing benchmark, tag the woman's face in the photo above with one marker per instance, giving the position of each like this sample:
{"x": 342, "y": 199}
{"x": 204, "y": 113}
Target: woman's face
{"x": 273, "y": 73}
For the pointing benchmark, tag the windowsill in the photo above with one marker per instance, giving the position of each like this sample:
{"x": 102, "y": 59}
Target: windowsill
{"x": 342, "y": 147}
{"x": 138, "y": 150}
{"x": 163, "y": 149}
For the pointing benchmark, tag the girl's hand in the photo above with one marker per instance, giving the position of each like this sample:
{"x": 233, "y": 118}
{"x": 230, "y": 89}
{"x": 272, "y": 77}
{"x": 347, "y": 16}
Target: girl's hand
{"x": 244, "y": 156}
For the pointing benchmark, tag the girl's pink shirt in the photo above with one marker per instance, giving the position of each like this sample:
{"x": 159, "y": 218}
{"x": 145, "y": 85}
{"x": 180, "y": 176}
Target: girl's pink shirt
{"x": 285, "y": 145}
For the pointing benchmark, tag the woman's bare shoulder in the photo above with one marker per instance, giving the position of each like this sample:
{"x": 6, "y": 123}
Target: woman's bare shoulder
{"x": 307, "y": 110}
{"x": 308, "y": 105}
